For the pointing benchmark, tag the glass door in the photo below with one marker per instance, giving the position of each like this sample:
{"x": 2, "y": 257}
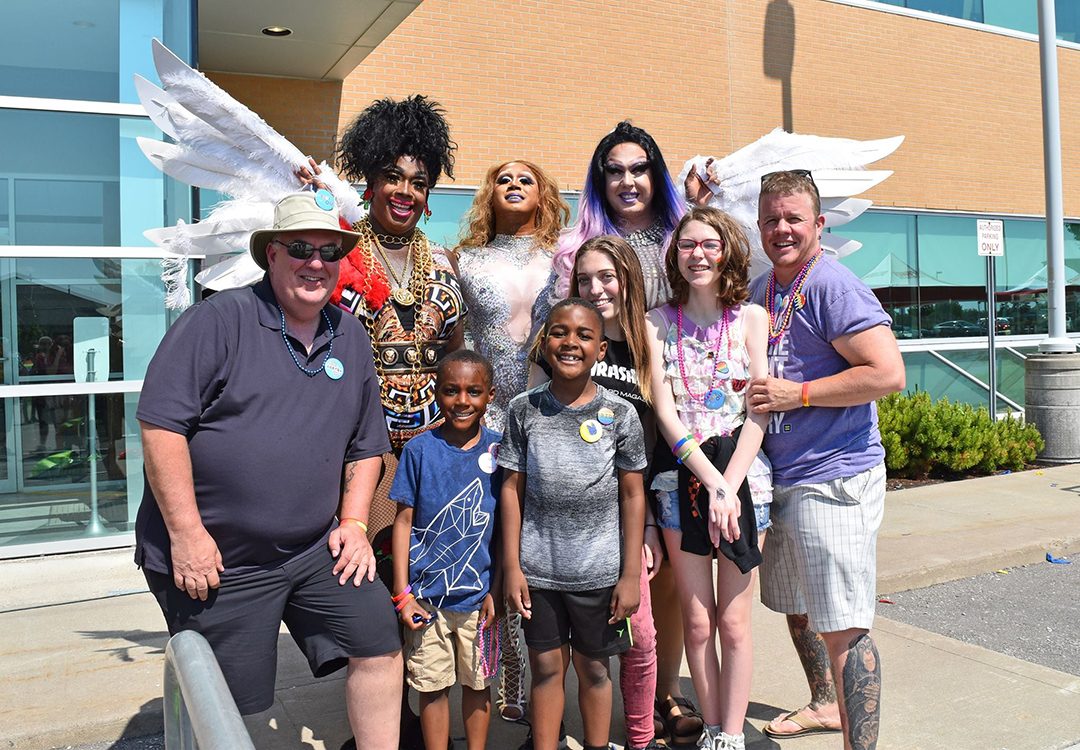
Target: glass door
{"x": 9, "y": 367}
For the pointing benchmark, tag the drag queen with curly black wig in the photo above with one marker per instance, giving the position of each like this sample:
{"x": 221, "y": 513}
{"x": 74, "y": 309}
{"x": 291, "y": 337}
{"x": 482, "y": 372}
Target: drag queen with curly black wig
{"x": 628, "y": 193}
{"x": 402, "y": 286}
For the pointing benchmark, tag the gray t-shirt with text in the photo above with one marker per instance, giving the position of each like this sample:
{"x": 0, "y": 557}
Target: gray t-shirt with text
{"x": 570, "y": 532}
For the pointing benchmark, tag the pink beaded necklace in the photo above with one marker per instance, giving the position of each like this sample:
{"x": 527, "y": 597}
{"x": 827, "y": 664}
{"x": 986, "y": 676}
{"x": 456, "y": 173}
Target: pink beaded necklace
{"x": 796, "y": 299}
{"x": 718, "y": 364}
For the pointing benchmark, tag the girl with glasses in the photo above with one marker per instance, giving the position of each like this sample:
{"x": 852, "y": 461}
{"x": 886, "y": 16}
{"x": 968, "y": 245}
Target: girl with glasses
{"x": 705, "y": 346}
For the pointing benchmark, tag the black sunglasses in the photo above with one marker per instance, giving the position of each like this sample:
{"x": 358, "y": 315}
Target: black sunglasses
{"x": 795, "y": 173}
{"x": 304, "y": 250}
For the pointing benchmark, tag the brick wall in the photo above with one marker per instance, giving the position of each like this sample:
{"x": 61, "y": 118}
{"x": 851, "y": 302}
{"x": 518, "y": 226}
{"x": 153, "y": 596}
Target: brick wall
{"x": 306, "y": 112}
{"x": 545, "y": 80}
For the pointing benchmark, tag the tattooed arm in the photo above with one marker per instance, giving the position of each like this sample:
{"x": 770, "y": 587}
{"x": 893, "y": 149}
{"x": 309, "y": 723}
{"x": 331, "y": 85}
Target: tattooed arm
{"x": 348, "y": 542}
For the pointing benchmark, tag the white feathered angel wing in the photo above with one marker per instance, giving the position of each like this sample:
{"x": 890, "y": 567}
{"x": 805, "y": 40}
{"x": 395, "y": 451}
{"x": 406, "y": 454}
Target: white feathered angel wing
{"x": 838, "y": 166}
{"x": 220, "y": 145}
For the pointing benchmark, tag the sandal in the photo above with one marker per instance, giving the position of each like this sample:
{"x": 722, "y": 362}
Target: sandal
{"x": 806, "y": 725}
{"x": 682, "y": 721}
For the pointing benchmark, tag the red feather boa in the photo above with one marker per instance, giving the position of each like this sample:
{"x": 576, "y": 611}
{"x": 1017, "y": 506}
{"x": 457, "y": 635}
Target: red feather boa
{"x": 355, "y": 274}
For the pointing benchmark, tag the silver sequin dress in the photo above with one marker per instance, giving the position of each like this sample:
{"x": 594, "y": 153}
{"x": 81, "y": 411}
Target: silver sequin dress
{"x": 648, "y": 243}
{"x": 509, "y": 287}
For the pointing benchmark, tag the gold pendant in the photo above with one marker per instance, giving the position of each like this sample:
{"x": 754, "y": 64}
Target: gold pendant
{"x": 404, "y": 297}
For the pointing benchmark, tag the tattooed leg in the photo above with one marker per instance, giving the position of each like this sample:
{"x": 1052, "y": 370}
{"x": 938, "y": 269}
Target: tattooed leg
{"x": 856, "y": 660}
{"x": 823, "y": 709}
{"x": 815, "y": 661}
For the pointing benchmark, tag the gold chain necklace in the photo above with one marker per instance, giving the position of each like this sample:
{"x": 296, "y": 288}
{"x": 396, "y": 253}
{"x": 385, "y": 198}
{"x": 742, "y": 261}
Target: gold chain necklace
{"x": 422, "y": 259}
{"x": 400, "y": 292}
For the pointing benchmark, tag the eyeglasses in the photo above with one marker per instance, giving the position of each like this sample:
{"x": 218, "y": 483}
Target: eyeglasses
{"x": 304, "y": 250}
{"x": 687, "y": 246}
{"x": 805, "y": 173}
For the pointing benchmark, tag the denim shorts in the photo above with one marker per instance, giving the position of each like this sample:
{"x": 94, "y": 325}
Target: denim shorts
{"x": 665, "y": 485}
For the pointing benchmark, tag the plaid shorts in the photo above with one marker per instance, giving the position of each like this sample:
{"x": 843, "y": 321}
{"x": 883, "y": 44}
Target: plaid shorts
{"x": 820, "y": 557}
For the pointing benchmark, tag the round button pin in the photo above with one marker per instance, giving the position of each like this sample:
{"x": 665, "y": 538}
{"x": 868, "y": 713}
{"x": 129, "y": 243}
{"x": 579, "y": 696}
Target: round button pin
{"x": 605, "y": 416}
{"x": 324, "y": 199}
{"x": 486, "y": 461}
{"x": 714, "y": 399}
{"x": 591, "y": 431}
{"x": 334, "y": 369}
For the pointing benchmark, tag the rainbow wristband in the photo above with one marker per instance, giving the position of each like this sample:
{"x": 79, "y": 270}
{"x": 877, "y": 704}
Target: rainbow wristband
{"x": 679, "y": 444}
{"x": 687, "y": 450}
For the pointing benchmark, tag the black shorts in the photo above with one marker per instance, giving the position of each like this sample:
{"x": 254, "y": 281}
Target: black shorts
{"x": 241, "y": 619}
{"x": 579, "y": 618}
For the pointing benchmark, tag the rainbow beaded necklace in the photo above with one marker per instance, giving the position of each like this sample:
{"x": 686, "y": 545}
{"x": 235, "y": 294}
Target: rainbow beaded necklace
{"x": 718, "y": 364}
{"x": 796, "y": 299}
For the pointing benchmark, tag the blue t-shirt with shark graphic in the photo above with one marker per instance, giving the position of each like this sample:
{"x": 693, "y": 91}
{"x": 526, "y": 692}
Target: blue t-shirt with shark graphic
{"x": 452, "y": 493}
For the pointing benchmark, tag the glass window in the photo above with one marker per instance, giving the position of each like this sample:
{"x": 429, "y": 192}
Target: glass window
{"x": 952, "y": 277}
{"x": 1008, "y": 14}
{"x": 78, "y": 180}
{"x": 53, "y": 446}
{"x": 1020, "y": 288}
{"x": 51, "y": 293}
{"x": 87, "y": 49}
{"x": 888, "y": 263}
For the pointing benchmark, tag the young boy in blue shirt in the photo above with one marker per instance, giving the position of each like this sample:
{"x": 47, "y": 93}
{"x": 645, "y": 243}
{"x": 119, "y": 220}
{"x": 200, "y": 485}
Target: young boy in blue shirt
{"x": 444, "y": 573}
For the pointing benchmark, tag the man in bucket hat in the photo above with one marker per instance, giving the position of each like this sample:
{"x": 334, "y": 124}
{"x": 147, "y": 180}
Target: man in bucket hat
{"x": 262, "y": 438}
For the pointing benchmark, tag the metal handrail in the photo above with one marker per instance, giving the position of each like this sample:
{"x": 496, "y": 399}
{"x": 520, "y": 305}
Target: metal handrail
{"x": 199, "y": 709}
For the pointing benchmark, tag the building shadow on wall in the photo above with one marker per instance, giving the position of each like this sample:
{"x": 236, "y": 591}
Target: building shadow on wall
{"x": 778, "y": 52}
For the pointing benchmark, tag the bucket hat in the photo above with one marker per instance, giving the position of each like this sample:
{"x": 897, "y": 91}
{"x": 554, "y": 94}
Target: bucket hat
{"x": 298, "y": 212}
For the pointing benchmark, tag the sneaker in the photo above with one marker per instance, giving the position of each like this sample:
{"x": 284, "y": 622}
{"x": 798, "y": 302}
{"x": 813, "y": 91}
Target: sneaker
{"x": 707, "y": 740}
{"x": 653, "y": 745}
{"x": 725, "y": 741}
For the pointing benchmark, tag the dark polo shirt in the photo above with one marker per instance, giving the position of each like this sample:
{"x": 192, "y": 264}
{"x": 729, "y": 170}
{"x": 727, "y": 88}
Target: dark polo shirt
{"x": 268, "y": 443}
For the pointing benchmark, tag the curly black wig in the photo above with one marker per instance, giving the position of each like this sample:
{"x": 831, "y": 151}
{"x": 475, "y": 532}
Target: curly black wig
{"x": 388, "y": 130}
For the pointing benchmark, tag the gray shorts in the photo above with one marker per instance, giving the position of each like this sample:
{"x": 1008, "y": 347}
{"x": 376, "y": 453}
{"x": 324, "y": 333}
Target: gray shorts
{"x": 821, "y": 555}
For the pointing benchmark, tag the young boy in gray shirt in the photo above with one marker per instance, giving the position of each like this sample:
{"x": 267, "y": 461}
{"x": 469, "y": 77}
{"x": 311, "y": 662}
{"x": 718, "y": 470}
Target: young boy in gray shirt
{"x": 573, "y": 508}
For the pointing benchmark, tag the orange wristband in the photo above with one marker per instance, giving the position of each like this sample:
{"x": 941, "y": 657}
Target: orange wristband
{"x": 363, "y": 525}
{"x": 806, "y": 393}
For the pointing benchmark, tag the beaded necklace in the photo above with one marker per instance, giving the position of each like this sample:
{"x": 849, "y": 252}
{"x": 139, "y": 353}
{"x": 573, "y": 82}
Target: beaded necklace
{"x": 796, "y": 299}
{"x": 718, "y": 364}
{"x": 488, "y": 644}
{"x": 289, "y": 346}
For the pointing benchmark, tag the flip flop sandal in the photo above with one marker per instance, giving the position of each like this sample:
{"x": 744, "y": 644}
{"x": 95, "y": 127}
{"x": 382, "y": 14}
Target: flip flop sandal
{"x": 682, "y": 721}
{"x": 807, "y": 726}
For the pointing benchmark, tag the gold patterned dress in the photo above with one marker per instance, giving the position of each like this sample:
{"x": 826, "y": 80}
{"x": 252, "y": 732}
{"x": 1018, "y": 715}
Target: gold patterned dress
{"x": 408, "y": 340}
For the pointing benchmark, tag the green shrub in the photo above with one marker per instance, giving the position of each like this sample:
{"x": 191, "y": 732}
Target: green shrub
{"x": 923, "y": 438}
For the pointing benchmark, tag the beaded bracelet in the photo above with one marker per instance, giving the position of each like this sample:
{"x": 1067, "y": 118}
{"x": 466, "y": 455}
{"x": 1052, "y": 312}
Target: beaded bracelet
{"x": 404, "y": 592}
{"x": 357, "y": 521}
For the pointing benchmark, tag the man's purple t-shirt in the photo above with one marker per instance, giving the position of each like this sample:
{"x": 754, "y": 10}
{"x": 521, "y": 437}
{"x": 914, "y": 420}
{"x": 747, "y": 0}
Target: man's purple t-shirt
{"x": 820, "y": 443}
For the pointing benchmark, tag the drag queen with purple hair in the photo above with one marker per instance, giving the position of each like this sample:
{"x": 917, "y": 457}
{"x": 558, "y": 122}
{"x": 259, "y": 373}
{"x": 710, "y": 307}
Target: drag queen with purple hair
{"x": 629, "y": 193}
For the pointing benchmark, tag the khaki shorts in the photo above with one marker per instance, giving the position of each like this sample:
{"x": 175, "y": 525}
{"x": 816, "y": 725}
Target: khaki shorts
{"x": 444, "y": 652}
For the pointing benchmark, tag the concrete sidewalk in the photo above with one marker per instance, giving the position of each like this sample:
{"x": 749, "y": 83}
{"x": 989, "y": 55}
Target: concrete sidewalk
{"x": 81, "y": 642}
